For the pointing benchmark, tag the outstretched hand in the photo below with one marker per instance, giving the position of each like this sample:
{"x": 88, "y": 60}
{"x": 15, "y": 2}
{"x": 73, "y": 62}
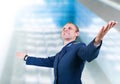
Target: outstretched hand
{"x": 21, "y": 54}
{"x": 104, "y": 31}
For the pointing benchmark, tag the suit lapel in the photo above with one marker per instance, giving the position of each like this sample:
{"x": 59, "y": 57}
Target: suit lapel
{"x": 62, "y": 53}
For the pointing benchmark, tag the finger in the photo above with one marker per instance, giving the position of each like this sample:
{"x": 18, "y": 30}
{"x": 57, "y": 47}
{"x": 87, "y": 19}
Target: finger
{"x": 111, "y": 24}
{"x": 102, "y": 31}
{"x": 17, "y": 53}
{"x": 114, "y": 23}
{"x": 107, "y": 27}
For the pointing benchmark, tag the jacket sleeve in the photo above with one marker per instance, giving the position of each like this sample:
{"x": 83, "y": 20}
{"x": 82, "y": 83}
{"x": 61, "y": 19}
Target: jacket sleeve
{"x": 45, "y": 62}
{"x": 89, "y": 52}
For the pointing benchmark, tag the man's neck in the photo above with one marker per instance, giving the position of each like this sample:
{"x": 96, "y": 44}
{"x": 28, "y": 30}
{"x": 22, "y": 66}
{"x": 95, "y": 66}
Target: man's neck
{"x": 68, "y": 41}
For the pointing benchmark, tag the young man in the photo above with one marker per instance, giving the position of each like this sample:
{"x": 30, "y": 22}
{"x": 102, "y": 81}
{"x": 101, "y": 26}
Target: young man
{"x": 68, "y": 64}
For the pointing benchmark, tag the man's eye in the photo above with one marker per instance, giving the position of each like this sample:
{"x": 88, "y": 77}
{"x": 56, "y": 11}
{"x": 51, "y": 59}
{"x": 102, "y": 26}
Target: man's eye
{"x": 70, "y": 28}
{"x": 63, "y": 28}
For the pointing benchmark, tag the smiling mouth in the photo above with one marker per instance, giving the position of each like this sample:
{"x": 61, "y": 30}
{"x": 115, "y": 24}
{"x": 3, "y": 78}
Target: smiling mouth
{"x": 66, "y": 34}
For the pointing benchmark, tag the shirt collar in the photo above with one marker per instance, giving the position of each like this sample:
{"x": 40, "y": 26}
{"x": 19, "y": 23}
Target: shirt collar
{"x": 70, "y": 43}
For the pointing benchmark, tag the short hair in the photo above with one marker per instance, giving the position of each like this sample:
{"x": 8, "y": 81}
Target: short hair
{"x": 77, "y": 30}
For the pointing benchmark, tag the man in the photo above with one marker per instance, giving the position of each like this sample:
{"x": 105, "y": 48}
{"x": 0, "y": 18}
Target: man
{"x": 68, "y": 64}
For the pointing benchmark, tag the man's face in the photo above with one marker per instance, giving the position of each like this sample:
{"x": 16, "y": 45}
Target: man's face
{"x": 69, "y": 32}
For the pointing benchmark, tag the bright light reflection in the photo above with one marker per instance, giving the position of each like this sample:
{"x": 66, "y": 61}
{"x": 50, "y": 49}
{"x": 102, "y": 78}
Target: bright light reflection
{"x": 117, "y": 67}
{"x": 31, "y": 78}
{"x": 113, "y": 57}
{"x": 8, "y": 12}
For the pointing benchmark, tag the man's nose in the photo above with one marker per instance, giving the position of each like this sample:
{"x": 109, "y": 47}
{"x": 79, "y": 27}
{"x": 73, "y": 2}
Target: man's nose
{"x": 66, "y": 29}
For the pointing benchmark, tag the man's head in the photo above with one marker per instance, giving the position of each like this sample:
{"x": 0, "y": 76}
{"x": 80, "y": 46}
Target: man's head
{"x": 70, "y": 32}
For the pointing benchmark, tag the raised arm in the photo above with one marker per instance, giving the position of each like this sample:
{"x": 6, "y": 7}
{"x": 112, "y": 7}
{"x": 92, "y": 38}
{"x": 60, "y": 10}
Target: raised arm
{"x": 91, "y": 51}
{"x": 21, "y": 55}
{"x": 104, "y": 30}
{"x": 36, "y": 61}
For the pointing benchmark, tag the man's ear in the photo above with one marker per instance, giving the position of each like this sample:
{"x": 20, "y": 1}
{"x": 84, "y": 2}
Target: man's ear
{"x": 77, "y": 33}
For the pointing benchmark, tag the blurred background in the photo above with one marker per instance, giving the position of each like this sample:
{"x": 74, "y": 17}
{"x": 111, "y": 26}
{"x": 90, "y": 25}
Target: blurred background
{"x": 35, "y": 25}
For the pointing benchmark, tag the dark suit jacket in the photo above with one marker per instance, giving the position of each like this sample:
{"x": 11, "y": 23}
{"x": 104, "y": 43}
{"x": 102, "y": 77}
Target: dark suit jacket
{"x": 68, "y": 64}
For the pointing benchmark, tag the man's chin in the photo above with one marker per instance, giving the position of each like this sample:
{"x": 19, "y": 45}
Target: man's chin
{"x": 67, "y": 38}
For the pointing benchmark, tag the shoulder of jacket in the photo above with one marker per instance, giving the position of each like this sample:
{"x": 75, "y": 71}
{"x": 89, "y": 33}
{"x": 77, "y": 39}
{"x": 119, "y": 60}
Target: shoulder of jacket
{"x": 79, "y": 44}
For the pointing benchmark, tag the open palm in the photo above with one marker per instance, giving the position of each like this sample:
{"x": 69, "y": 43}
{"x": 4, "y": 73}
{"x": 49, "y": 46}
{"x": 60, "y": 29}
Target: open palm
{"x": 104, "y": 31}
{"x": 21, "y": 54}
